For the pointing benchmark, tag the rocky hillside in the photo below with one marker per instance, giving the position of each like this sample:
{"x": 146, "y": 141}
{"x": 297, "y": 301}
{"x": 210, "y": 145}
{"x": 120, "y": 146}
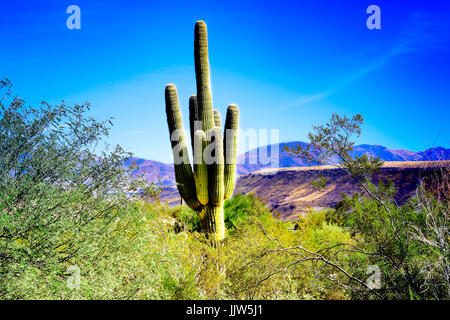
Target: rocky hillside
{"x": 155, "y": 171}
{"x": 289, "y": 193}
{"x": 258, "y": 159}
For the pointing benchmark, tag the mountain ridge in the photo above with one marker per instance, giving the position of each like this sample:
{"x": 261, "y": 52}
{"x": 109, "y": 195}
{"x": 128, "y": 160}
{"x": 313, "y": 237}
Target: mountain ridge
{"x": 250, "y": 161}
{"x": 288, "y": 190}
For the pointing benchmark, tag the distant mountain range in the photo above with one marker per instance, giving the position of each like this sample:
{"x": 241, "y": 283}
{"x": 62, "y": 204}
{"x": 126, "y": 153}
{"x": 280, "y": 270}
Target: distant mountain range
{"x": 289, "y": 193}
{"x": 155, "y": 170}
{"x": 248, "y": 163}
{"x": 259, "y": 158}
{"x": 288, "y": 190}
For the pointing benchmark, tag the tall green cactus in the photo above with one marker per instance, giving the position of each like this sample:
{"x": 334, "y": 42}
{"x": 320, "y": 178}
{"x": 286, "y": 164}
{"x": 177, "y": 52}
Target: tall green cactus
{"x": 212, "y": 180}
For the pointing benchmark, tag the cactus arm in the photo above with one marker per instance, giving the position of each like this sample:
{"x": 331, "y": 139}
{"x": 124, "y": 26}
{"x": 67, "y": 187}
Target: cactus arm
{"x": 230, "y": 148}
{"x": 217, "y": 118}
{"x": 204, "y": 98}
{"x": 216, "y": 169}
{"x": 200, "y": 167}
{"x": 183, "y": 170}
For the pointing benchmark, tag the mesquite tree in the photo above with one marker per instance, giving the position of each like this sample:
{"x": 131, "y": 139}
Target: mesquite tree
{"x": 58, "y": 183}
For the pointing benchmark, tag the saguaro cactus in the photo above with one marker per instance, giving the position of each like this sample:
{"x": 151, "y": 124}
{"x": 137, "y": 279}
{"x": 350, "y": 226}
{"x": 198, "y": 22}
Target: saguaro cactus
{"x": 212, "y": 180}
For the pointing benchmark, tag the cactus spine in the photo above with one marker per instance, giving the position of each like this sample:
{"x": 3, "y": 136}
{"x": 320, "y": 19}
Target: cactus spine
{"x": 212, "y": 181}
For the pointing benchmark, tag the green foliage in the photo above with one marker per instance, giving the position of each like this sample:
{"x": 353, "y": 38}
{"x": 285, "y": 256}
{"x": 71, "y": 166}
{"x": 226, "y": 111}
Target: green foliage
{"x": 53, "y": 186}
{"x": 267, "y": 262}
{"x": 150, "y": 251}
{"x": 409, "y": 243}
{"x": 319, "y": 183}
{"x": 241, "y": 207}
{"x": 186, "y": 219}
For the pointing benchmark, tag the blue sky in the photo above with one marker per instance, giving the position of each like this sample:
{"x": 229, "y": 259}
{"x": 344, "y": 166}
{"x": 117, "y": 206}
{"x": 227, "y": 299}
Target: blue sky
{"x": 287, "y": 64}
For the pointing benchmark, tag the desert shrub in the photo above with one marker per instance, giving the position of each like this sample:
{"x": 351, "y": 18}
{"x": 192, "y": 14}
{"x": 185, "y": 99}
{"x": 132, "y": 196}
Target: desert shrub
{"x": 186, "y": 219}
{"x": 56, "y": 180}
{"x": 264, "y": 260}
{"x": 139, "y": 255}
{"x": 135, "y": 256}
{"x": 409, "y": 244}
{"x": 147, "y": 259}
{"x": 240, "y": 207}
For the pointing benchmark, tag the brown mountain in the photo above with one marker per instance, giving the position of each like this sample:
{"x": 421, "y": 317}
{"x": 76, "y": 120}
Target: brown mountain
{"x": 155, "y": 171}
{"x": 288, "y": 189}
{"x": 289, "y": 193}
{"x": 259, "y": 158}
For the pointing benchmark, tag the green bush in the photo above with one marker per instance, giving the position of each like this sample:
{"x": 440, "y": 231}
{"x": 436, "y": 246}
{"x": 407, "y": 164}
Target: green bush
{"x": 239, "y": 208}
{"x": 141, "y": 255}
{"x": 54, "y": 189}
{"x": 409, "y": 244}
{"x": 186, "y": 219}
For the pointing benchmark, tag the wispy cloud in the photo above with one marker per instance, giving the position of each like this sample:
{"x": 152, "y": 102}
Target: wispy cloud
{"x": 423, "y": 32}
{"x": 136, "y": 132}
{"x": 426, "y": 31}
{"x": 310, "y": 98}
